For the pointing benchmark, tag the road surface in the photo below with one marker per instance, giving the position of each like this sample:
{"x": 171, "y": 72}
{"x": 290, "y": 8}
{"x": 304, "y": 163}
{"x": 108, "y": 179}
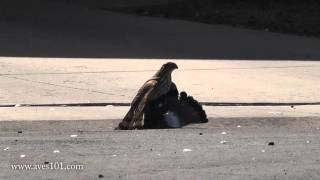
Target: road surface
{"x": 225, "y": 148}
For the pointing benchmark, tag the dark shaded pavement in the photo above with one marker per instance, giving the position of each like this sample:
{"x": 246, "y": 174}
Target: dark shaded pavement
{"x": 58, "y": 29}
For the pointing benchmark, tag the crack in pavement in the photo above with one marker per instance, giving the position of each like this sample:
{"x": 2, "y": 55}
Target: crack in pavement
{"x": 128, "y": 104}
{"x": 207, "y": 69}
{"x": 57, "y": 85}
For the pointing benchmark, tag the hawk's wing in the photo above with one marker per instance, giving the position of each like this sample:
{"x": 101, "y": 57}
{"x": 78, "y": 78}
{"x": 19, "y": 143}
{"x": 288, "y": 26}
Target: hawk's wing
{"x": 135, "y": 114}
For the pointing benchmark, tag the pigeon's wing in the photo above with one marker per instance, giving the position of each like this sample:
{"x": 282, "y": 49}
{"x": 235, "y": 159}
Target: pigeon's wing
{"x": 135, "y": 113}
{"x": 187, "y": 110}
{"x": 195, "y": 111}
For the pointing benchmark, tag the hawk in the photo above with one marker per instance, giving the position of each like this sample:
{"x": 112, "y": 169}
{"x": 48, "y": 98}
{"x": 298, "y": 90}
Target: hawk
{"x": 154, "y": 88}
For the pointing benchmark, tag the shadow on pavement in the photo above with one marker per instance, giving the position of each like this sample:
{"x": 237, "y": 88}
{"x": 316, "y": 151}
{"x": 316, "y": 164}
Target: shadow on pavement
{"x": 56, "y": 29}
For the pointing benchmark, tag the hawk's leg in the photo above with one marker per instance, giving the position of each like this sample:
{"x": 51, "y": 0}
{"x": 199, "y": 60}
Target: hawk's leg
{"x": 155, "y": 110}
{"x": 153, "y": 116}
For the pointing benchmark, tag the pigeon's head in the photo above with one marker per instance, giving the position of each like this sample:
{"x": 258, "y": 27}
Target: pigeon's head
{"x": 170, "y": 66}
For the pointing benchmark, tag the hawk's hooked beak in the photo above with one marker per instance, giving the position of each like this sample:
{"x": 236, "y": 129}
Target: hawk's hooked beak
{"x": 170, "y": 66}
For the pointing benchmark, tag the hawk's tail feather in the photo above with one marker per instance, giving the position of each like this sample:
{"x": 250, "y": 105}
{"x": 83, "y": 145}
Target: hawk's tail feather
{"x": 132, "y": 120}
{"x": 127, "y": 122}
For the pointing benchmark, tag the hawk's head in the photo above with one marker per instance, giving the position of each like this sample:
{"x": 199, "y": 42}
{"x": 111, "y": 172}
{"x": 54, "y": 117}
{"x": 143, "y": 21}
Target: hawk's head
{"x": 170, "y": 66}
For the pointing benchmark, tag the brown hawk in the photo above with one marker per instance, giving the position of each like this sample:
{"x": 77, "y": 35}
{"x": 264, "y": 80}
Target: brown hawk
{"x": 152, "y": 89}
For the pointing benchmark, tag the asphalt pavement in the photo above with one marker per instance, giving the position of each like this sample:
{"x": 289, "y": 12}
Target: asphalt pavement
{"x": 225, "y": 148}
